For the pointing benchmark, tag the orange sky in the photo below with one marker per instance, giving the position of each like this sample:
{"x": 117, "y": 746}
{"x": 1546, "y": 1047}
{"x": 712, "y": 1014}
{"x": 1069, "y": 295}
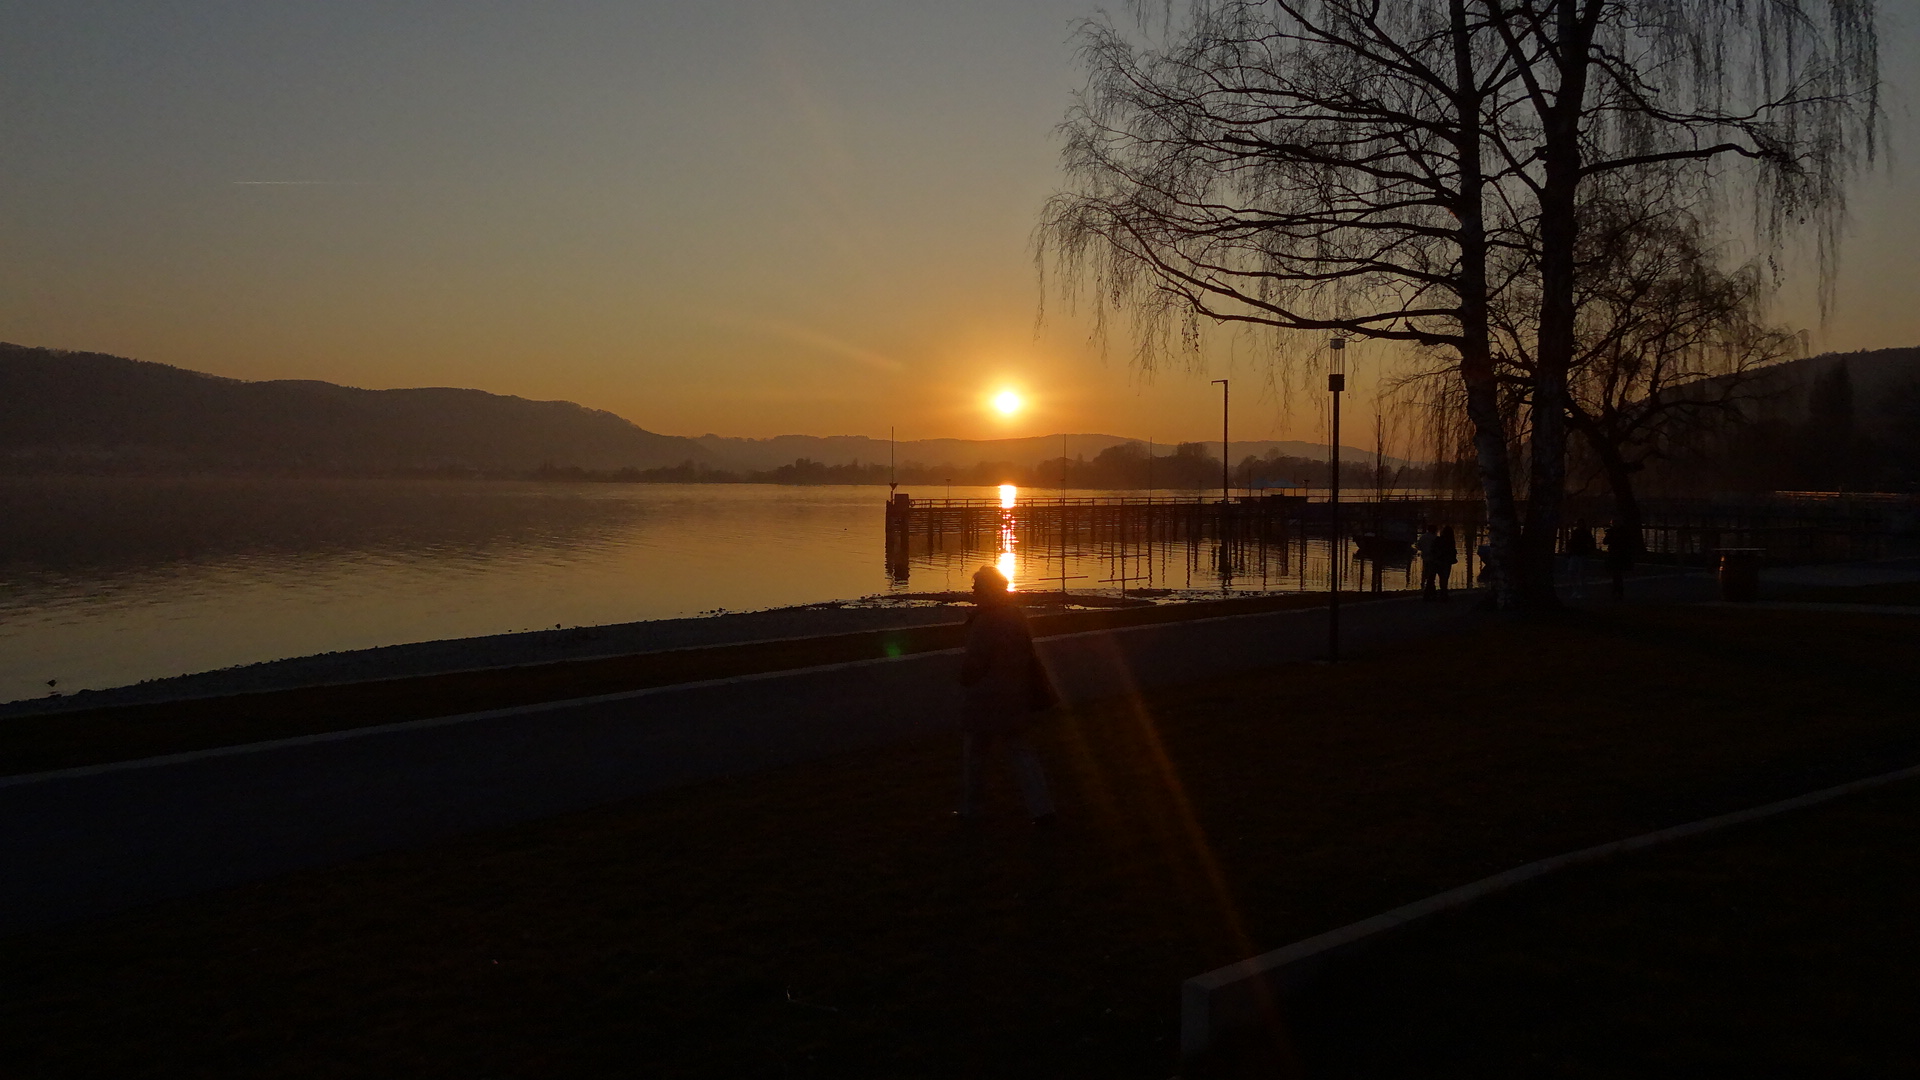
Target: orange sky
{"x": 751, "y": 217}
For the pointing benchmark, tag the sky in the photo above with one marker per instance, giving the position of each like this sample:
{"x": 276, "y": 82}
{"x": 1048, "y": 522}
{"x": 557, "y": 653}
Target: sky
{"x": 748, "y": 217}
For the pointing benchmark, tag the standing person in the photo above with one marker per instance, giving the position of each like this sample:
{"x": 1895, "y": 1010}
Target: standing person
{"x": 1447, "y": 552}
{"x": 1622, "y": 547}
{"x": 1005, "y": 687}
{"x": 1429, "y": 548}
{"x": 1580, "y": 550}
{"x": 1489, "y": 576}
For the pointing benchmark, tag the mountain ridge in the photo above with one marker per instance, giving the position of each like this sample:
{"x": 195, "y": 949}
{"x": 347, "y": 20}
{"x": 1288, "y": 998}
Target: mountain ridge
{"x": 78, "y": 411}
{"x": 66, "y": 410}
{"x": 748, "y": 453}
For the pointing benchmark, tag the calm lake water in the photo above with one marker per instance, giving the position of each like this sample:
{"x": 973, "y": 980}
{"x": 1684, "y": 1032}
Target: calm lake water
{"x": 105, "y": 582}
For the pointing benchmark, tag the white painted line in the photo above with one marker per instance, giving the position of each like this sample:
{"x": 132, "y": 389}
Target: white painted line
{"x": 1238, "y": 995}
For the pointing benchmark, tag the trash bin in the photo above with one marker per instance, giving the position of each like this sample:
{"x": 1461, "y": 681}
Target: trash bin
{"x": 1739, "y": 574}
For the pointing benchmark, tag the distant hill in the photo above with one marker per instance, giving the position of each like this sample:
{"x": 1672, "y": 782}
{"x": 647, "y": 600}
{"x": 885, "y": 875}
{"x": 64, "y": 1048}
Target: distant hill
{"x": 64, "y": 411}
{"x": 1879, "y": 376}
{"x": 758, "y": 454}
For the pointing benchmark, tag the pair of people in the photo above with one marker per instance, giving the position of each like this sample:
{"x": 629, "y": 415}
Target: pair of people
{"x": 1006, "y": 689}
{"x": 1438, "y": 552}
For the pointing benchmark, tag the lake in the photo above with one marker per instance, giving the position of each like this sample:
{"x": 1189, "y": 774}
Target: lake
{"x": 106, "y": 582}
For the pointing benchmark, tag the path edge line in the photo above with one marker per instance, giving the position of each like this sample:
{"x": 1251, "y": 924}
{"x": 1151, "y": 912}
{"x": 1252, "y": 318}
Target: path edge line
{"x": 1245, "y": 993}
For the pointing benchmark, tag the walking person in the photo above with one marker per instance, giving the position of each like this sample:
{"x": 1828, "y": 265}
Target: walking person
{"x": 1622, "y": 547}
{"x": 1447, "y": 552}
{"x": 1429, "y": 548}
{"x": 1580, "y": 551}
{"x": 1006, "y": 689}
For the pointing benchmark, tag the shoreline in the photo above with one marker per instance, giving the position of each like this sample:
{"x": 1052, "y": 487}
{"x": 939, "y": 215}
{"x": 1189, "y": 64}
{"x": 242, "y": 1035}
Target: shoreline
{"x": 530, "y": 648}
{"x": 487, "y": 652}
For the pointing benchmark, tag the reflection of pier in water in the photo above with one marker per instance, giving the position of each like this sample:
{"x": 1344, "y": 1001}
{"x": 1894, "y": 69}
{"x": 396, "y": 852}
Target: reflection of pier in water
{"x": 1133, "y": 543}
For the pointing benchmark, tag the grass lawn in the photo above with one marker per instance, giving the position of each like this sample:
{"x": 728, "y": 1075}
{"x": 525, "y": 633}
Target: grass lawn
{"x": 1782, "y": 948}
{"x": 1899, "y": 593}
{"x": 829, "y": 920}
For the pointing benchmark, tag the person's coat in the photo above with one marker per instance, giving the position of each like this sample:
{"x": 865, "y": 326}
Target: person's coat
{"x": 1001, "y": 674}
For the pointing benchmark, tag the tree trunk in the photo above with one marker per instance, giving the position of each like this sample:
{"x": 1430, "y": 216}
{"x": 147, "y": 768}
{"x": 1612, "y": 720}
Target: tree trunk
{"x": 1554, "y": 352}
{"x": 1626, "y": 504}
{"x": 1476, "y": 351}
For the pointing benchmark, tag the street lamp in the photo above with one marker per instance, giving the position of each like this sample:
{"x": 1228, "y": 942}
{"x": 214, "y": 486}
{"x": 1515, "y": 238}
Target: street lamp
{"x": 1336, "y": 382}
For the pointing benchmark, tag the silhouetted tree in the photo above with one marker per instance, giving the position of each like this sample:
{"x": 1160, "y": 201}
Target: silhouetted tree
{"x": 1656, "y": 98}
{"x": 1364, "y": 167}
{"x": 1319, "y": 166}
{"x": 1670, "y": 346}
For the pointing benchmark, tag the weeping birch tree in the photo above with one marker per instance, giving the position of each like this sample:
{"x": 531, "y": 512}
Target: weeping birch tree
{"x": 1765, "y": 106}
{"x": 1671, "y": 343}
{"x": 1319, "y": 167}
{"x": 1398, "y": 169}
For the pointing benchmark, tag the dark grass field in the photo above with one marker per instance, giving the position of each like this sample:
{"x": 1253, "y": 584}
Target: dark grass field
{"x": 830, "y": 920}
{"x": 1783, "y": 948}
{"x": 1898, "y": 594}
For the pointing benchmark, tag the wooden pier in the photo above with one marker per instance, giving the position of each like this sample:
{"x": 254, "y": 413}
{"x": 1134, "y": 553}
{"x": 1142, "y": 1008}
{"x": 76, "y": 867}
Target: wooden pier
{"x": 1227, "y": 535}
{"x": 1788, "y": 527}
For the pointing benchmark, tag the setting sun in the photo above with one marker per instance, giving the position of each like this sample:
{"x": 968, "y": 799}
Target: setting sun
{"x": 1008, "y": 402}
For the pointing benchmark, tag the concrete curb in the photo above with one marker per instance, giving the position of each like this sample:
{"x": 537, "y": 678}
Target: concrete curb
{"x": 1247, "y": 993}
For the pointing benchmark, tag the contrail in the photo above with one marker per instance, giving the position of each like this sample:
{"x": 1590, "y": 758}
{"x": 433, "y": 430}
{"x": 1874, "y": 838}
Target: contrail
{"x": 295, "y": 183}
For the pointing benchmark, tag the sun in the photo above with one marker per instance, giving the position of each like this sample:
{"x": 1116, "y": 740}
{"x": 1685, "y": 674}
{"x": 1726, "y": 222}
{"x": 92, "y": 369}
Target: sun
{"x": 1008, "y": 402}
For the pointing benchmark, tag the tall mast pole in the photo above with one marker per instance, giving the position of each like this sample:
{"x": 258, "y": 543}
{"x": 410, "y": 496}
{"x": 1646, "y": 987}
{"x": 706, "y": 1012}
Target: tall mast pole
{"x": 1226, "y": 481}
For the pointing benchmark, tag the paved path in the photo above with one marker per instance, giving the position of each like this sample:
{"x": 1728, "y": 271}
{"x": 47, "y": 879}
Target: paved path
{"x": 82, "y": 842}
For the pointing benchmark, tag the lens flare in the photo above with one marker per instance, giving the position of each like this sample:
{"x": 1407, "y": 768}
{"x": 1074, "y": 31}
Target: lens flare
{"x": 1009, "y": 494}
{"x": 1008, "y": 402}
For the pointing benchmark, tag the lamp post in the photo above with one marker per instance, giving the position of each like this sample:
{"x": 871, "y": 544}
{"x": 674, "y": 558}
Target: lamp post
{"x": 1226, "y": 482}
{"x": 1336, "y": 382}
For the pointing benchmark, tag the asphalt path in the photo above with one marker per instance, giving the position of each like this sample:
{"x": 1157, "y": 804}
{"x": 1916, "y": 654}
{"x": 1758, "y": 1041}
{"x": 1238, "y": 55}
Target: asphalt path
{"x": 83, "y": 842}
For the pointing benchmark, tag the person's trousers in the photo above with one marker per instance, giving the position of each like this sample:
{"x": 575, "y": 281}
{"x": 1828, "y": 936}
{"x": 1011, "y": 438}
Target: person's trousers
{"x": 1026, "y": 771}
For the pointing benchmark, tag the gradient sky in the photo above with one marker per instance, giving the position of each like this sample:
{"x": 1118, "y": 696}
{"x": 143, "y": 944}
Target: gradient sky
{"x": 749, "y": 217}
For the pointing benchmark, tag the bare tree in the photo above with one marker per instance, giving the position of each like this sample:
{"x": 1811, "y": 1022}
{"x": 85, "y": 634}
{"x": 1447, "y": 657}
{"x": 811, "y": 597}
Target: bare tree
{"x": 1316, "y": 166}
{"x": 1670, "y": 347}
{"x": 1397, "y": 169}
{"x": 1774, "y": 99}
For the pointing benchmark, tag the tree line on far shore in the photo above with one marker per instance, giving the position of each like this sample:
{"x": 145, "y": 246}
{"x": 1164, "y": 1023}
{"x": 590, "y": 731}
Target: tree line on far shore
{"x": 1128, "y": 466}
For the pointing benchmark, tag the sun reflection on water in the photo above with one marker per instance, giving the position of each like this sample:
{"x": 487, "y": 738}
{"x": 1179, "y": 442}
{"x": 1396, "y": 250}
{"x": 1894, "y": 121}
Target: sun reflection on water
{"x": 1009, "y": 494}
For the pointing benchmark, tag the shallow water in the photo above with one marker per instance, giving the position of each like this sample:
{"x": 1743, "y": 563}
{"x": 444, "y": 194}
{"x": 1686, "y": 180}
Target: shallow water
{"x": 105, "y": 582}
